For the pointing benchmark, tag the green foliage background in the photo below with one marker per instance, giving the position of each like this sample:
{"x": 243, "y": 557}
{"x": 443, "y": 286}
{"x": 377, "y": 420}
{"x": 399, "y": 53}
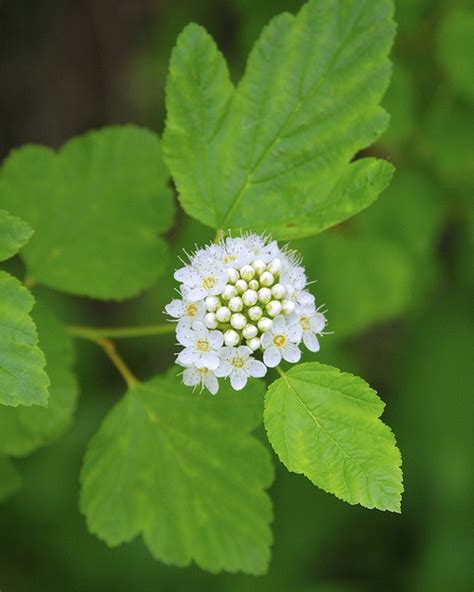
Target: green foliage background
{"x": 397, "y": 281}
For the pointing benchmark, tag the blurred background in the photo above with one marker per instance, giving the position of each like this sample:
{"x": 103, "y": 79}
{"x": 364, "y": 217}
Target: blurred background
{"x": 397, "y": 282}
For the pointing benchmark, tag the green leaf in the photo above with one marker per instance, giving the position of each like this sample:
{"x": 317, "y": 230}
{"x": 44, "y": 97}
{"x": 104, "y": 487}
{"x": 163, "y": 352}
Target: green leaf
{"x": 307, "y": 104}
{"x": 23, "y": 380}
{"x": 25, "y": 429}
{"x": 198, "y": 91}
{"x": 14, "y": 233}
{"x": 165, "y": 464}
{"x": 97, "y": 207}
{"x": 456, "y": 49}
{"x": 325, "y": 424}
{"x": 10, "y": 480}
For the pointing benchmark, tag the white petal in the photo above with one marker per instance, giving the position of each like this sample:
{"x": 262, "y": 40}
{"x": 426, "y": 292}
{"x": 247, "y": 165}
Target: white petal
{"x": 294, "y": 332}
{"x": 208, "y": 360}
{"x": 175, "y": 308}
{"x": 224, "y": 369}
{"x": 267, "y": 339}
{"x": 187, "y": 357}
{"x": 184, "y": 333}
{"x": 272, "y": 356}
{"x": 196, "y": 294}
{"x": 291, "y": 353}
{"x": 186, "y": 275}
{"x": 243, "y": 351}
{"x": 238, "y": 379}
{"x": 256, "y": 368}
{"x": 311, "y": 341}
{"x": 216, "y": 339}
{"x": 318, "y": 322}
{"x": 279, "y": 325}
{"x": 191, "y": 377}
{"x": 211, "y": 383}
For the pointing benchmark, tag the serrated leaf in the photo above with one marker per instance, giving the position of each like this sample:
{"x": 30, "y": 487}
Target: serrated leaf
{"x": 198, "y": 92}
{"x": 165, "y": 464}
{"x": 10, "y": 480}
{"x": 14, "y": 233}
{"x": 23, "y": 380}
{"x": 97, "y": 207}
{"x": 280, "y": 158}
{"x": 25, "y": 429}
{"x": 325, "y": 424}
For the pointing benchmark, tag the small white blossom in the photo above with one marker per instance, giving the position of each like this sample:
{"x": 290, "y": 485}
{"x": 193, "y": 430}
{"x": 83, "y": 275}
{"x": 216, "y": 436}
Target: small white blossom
{"x": 201, "y": 376}
{"x": 237, "y": 364}
{"x": 281, "y": 341}
{"x": 244, "y": 307}
{"x": 186, "y": 312}
{"x": 200, "y": 347}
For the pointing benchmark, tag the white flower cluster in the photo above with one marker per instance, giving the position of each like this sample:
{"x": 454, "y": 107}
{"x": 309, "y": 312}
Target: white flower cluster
{"x": 242, "y": 300}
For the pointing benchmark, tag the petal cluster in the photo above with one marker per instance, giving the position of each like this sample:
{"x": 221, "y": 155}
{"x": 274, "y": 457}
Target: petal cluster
{"x": 243, "y": 307}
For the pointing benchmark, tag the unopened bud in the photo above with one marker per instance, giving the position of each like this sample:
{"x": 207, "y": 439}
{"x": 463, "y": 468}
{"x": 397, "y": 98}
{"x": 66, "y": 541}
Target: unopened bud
{"x": 249, "y": 331}
{"x": 265, "y": 324}
{"x": 238, "y": 321}
{"x": 231, "y": 338}
{"x": 274, "y": 308}
{"x": 210, "y": 320}
{"x": 264, "y": 295}
{"x": 267, "y": 279}
{"x": 247, "y": 273}
{"x": 223, "y": 314}
{"x": 255, "y": 313}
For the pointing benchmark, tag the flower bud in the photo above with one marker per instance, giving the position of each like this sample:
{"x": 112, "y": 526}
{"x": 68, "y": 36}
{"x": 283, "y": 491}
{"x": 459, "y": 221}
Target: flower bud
{"x": 274, "y": 308}
{"x": 254, "y": 343}
{"x": 236, "y": 304}
{"x": 278, "y": 291}
{"x": 238, "y": 321}
{"x": 247, "y": 273}
{"x": 210, "y": 320}
{"x": 212, "y": 303}
{"x": 275, "y": 266}
{"x": 267, "y": 279}
{"x": 264, "y": 295}
{"x": 231, "y": 338}
{"x": 250, "y": 298}
{"x": 265, "y": 324}
{"x": 255, "y": 312}
{"x": 249, "y": 331}
{"x": 229, "y": 292}
{"x": 288, "y": 306}
{"x": 233, "y": 275}
{"x": 259, "y": 266}
{"x": 241, "y": 286}
{"x": 254, "y": 285}
{"x": 223, "y": 314}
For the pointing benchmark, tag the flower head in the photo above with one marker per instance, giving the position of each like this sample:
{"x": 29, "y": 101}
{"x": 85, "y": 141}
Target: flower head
{"x": 244, "y": 307}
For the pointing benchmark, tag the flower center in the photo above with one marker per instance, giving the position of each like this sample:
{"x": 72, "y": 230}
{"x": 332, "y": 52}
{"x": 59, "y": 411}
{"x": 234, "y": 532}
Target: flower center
{"x": 279, "y": 340}
{"x": 228, "y": 259}
{"x": 191, "y": 310}
{"x": 238, "y": 362}
{"x": 208, "y": 282}
{"x": 202, "y": 345}
{"x": 305, "y": 324}
{"x": 203, "y": 371}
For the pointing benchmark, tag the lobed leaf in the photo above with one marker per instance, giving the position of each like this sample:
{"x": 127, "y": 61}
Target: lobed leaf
{"x": 23, "y": 380}
{"x": 165, "y": 464}
{"x": 325, "y": 424}
{"x": 277, "y": 155}
{"x": 14, "y": 233}
{"x": 97, "y": 207}
{"x": 25, "y": 429}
